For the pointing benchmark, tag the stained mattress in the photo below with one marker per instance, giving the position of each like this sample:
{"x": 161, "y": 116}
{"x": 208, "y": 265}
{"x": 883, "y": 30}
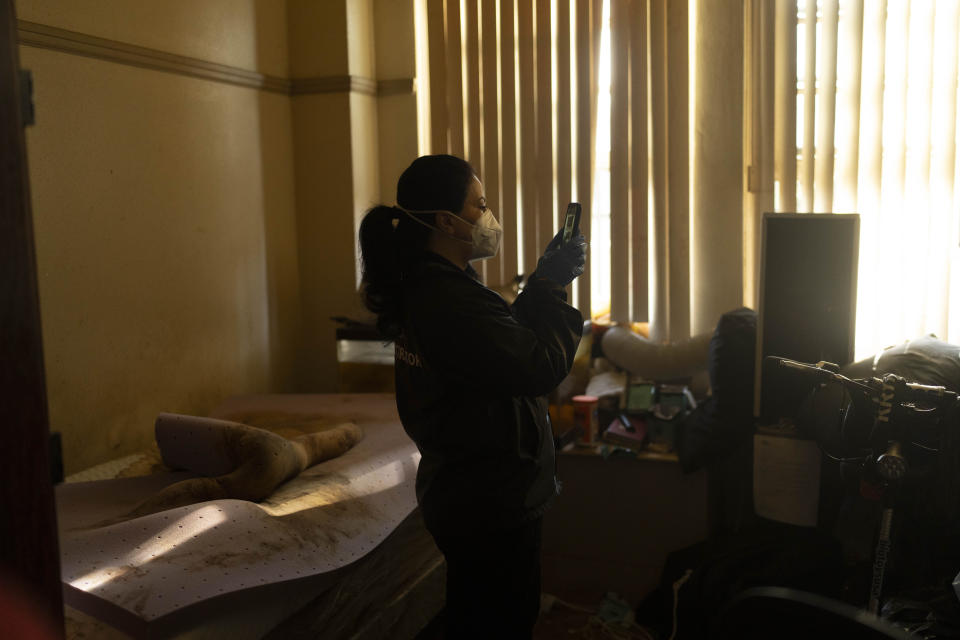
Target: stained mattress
{"x": 143, "y": 574}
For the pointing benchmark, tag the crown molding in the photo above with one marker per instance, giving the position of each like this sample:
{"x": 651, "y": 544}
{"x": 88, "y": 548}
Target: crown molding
{"x": 33, "y": 34}
{"x": 333, "y": 84}
{"x": 45, "y": 37}
{"x": 396, "y": 87}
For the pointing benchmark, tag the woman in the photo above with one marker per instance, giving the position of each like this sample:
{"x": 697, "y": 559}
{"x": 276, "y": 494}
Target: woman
{"x": 471, "y": 376}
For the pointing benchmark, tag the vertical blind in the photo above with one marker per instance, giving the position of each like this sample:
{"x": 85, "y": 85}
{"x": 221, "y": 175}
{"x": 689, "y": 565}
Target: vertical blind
{"x": 865, "y": 120}
{"x": 512, "y": 88}
{"x": 516, "y": 87}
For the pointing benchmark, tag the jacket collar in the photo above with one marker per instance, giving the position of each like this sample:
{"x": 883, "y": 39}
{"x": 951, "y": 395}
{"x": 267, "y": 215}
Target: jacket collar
{"x": 434, "y": 258}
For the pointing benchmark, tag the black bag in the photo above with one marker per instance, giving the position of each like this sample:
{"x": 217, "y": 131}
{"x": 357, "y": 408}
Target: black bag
{"x": 724, "y": 421}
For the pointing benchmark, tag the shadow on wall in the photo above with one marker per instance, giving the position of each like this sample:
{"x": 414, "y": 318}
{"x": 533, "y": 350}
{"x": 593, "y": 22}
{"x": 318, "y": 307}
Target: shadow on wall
{"x": 322, "y": 138}
{"x": 282, "y": 279}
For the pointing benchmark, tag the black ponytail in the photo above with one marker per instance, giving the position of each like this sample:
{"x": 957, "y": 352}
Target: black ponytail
{"x": 391, "y": 242}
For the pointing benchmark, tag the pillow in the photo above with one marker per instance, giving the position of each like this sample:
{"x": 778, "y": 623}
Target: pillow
{"x": 238, "y": 461}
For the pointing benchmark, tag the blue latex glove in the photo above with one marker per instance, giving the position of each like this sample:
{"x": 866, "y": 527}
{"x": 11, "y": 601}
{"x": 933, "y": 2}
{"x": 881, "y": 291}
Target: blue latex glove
{"x": 561, "y": 263}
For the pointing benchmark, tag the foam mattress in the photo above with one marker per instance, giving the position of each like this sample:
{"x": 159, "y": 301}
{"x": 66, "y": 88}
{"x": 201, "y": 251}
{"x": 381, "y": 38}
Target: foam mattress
{"x": 155, "y": 568}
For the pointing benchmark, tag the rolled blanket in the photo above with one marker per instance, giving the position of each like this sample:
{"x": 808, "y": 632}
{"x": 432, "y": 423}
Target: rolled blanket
{"x": 240, "y": 461}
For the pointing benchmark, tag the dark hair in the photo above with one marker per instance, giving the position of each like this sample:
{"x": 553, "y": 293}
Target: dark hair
{"x": 391, "y": 242}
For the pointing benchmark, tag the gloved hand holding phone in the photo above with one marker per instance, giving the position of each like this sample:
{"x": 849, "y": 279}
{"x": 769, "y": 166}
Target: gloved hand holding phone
{"x": 563, "y": 261}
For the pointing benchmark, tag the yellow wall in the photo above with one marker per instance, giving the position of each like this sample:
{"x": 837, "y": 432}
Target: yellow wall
{"x": 164, "y": 219}
{"x": 339, "y": 167}
{"x": 193, "y": 236}
{"x": 325, "y": 228}
{"x": 325, "y": 157}
{"x": 395, "y": 58}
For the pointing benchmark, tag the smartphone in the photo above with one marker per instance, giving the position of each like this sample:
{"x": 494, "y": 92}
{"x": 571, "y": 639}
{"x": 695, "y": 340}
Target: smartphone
{"x": 571, "y": 222}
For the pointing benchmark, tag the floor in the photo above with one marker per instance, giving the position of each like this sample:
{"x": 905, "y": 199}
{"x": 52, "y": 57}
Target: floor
{"x": 571, "y": 618}
{"x": 552, "y": 625}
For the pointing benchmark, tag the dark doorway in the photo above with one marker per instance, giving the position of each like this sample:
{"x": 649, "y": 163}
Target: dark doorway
{"x": 29, "y": 556}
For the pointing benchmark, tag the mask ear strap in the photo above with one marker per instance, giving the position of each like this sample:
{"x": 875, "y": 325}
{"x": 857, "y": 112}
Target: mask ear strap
{"x": 410, "y": 212}
{"x": 413, "y": 217}
{"x": 430, "y": 226}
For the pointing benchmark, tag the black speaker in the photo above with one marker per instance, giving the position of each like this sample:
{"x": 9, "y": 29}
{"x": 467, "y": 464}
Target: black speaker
{"x": 807, "y": 302}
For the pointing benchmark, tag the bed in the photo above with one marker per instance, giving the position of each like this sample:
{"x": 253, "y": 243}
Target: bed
{"x": 338, "y": 552}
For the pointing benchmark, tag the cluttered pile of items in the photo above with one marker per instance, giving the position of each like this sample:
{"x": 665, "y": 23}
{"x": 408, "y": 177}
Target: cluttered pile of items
{"x": 689, "y": 400}
{"x": 641, "y": 418}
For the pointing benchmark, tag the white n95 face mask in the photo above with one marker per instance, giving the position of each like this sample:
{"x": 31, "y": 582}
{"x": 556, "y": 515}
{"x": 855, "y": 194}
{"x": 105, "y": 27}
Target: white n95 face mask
{"x": 485, "y": 236}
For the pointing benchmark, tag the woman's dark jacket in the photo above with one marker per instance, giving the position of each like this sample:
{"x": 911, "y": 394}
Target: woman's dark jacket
{"x": 472, "y": 373}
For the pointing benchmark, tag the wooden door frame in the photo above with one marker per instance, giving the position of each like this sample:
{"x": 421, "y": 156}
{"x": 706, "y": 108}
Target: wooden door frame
{"x": 29, "y": 551}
